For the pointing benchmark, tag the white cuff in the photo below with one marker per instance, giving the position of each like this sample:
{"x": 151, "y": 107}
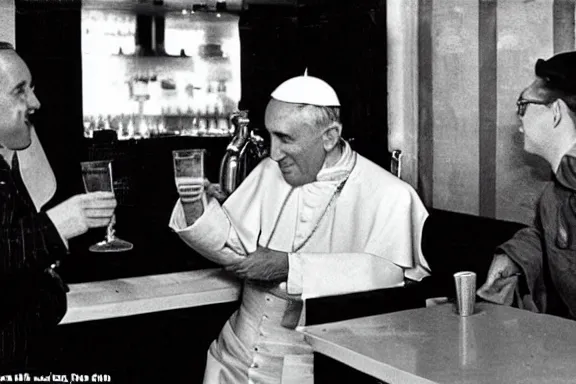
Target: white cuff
{"x": 66, "y": 225}
{"x": 208, "y": 233}
{"x": 295, "y": 274}
{"x": 64, "y": 240}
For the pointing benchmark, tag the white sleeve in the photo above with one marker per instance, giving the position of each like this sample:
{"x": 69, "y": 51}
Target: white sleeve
{"x": 348, "y": 273}
{"x": 211, "y": 235}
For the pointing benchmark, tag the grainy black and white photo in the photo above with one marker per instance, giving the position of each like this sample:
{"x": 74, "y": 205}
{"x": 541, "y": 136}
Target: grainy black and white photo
{"x": 288, "y": 191}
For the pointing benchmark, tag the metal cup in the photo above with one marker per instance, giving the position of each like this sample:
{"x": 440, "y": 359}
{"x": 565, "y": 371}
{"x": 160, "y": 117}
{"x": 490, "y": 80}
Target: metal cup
{"x": 465, "y": 292}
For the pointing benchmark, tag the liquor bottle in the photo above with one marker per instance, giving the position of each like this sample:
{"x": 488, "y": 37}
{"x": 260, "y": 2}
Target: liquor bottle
{"x": 130, "y": 128}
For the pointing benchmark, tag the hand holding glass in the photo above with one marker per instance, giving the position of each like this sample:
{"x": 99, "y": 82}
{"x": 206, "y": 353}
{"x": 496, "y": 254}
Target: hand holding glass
{"x": 97, "y": 176}
{"x": 189, "y": 174}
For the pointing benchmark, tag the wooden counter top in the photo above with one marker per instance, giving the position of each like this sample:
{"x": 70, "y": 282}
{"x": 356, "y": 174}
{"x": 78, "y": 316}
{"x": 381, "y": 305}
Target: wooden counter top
{"x": 138, "y": 295}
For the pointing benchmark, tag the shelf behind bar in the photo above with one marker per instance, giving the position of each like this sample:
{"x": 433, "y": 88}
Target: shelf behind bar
{"x": 138, "y": 295}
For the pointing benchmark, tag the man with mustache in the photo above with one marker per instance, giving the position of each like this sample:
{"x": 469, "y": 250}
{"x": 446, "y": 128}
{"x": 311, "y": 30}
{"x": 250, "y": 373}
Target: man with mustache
{"x": 32, "y": 241}
{"x": 539, "y": 262}
{"x": 313, "y": 219}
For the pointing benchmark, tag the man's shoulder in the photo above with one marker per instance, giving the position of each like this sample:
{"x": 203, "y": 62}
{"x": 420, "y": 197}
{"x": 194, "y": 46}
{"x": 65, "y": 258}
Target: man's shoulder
{"x": 373, "y": 176}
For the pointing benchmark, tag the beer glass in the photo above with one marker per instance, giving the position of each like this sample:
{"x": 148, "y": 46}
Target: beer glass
{"x": 189, "y": 170}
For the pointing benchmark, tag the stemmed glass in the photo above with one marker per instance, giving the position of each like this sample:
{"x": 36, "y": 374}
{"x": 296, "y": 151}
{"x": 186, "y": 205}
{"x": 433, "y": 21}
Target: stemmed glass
{"x": 97, "y": 176}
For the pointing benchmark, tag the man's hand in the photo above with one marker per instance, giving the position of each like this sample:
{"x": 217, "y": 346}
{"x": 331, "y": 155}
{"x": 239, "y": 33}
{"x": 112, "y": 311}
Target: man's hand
{"x": 502, "y": 272}
{"x": 193, "y": 200}
{"x": 79, "y": 213}
{"x": 191, "y": 192}
{"x": 262, "y": 265}
{"x": 215, "y": 190}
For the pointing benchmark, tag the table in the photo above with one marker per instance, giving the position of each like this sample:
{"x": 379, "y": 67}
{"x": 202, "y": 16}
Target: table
{"x": 497, "y": 344}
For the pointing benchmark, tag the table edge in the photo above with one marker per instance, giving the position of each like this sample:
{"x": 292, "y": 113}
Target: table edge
{"x": 360, "y": 362}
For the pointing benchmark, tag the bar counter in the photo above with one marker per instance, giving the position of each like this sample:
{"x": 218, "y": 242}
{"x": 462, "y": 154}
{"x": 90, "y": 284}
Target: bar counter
{"x": 146, "y": 294}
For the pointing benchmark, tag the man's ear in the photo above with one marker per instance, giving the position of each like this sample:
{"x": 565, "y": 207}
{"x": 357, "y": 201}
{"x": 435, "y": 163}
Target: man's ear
{"x": 331, "y": 136}
{"x": 559, "y": 108}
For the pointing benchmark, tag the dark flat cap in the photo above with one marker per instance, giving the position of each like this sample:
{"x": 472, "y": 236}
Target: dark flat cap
{"x": 559, "y": 71}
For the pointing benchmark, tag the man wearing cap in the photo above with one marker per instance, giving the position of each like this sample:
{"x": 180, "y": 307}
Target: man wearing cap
{"x": 537, "y": 267}
{"x": 313, "y": 219}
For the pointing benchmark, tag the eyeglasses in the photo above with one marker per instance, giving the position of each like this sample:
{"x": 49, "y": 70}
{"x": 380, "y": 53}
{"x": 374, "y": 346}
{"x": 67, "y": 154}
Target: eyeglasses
{"x": 521, "y": 105}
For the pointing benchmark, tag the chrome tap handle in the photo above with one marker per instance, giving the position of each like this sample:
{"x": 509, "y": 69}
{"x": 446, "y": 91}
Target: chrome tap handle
{"x": 240, "y": 118}
{"x": 231, "y": 162}
{"x": 396, "y": 163}
{"x": 260, "y": 145}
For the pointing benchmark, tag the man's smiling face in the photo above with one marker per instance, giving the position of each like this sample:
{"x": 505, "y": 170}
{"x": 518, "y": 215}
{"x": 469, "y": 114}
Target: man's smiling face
{"x": 17, "y": 101}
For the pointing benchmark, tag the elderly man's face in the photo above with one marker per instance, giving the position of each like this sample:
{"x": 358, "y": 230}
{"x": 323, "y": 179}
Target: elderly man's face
{"x": 536, "y": 117}
{"x": 17, "y": 101}
{"x": 296, "y": 144}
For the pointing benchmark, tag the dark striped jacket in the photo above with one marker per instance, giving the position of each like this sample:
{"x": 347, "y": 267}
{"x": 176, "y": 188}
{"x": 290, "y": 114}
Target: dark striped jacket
{"x": 32, "y": 298}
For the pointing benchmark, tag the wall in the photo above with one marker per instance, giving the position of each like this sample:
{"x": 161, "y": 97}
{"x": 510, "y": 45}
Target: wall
{"x": 402, "y": 79}
{"x": 340, "y": 41}
{"x": 475, "y": 56}
{"x": 7, "y": 25}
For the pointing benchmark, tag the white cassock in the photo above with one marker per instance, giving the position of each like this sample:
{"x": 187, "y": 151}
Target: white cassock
{"x": 356, "y": 228}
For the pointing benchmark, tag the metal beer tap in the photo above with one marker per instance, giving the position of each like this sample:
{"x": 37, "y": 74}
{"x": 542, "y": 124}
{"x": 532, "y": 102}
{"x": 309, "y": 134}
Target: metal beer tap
{"x": 245, "y": 150}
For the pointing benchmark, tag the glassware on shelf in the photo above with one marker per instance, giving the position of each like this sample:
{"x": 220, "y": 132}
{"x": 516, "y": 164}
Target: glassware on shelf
{"x": 97, "y": 176}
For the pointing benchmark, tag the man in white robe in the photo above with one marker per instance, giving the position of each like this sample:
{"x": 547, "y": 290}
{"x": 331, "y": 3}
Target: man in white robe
{"x": 313, "y": 219}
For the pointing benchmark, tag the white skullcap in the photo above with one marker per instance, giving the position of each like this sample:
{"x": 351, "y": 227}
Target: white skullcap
{"x": 306, "y": 90}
